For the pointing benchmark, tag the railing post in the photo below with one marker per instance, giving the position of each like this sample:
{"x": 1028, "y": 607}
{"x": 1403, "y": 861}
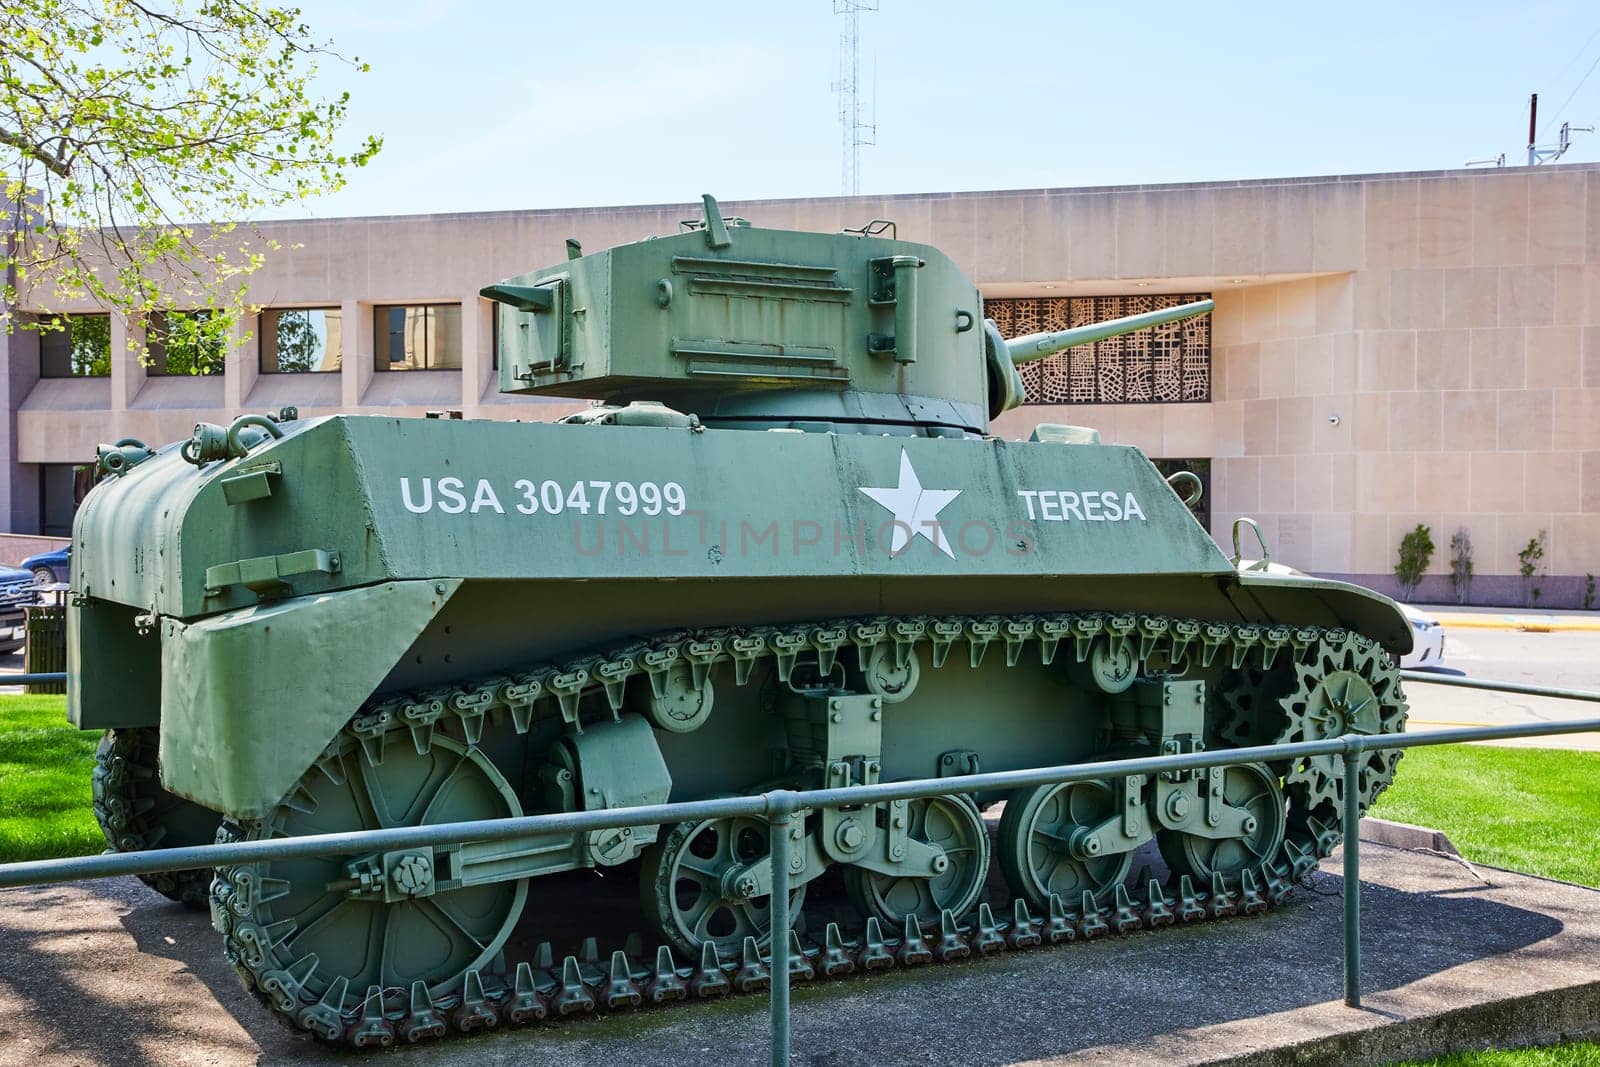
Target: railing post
{"x": 781, "y": 806}
{"x": 1352, "y": 873}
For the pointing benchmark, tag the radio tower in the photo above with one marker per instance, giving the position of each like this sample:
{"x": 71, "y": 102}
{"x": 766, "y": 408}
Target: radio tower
{"x": 856, "y": 132}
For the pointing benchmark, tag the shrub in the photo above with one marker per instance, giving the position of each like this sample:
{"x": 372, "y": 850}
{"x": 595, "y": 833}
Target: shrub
{"x": 1461, "y": 564}
{"x": 1532, "y": 559}
{"x": 1416, "y": 552}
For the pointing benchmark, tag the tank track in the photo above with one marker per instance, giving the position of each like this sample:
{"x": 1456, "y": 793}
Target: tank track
{"x": 129, "y": 805}
{"x": 546, "y": 988}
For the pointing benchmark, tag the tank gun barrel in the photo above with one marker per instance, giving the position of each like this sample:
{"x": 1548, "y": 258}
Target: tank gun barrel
{"x": 1039, "y": 345}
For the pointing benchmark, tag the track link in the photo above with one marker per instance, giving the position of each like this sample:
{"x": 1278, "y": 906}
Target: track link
{"x": 136, "y": 814}
{"x": 546, "y": 989}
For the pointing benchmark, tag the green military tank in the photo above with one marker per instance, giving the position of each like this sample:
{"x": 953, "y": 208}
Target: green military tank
{"x": 781, "y": 549}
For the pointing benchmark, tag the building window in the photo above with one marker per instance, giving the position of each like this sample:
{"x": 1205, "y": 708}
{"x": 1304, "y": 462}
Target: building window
{"x": 417, "y": 337}
{"x": 62, "y": 486}
{"x": 1200, "y": 468}
{"x": 301, "y": 340}
{"x": 1168, "y": 364}
{"x": 178, "y": 346}
{"x": 75, "y": 346}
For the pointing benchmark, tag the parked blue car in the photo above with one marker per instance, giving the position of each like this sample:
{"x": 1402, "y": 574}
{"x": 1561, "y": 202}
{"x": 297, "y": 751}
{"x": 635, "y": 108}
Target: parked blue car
{"x": 49, "y": 567}
{"x": 17, "y": 591}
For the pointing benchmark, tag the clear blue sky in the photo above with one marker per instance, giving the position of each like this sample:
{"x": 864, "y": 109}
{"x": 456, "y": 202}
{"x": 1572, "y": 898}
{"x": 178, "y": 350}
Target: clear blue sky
{"x": 487, "y": 105}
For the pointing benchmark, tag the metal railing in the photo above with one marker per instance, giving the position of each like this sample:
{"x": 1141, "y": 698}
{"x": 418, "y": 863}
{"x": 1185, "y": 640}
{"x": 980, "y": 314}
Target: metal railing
{"x": 39, "y": 678}
{"x": 780, "y": 806}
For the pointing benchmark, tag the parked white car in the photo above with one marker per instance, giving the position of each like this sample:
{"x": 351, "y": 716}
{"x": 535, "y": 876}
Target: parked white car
{"x": 1428, "y": 635}
{"x": 1427, "y": 648}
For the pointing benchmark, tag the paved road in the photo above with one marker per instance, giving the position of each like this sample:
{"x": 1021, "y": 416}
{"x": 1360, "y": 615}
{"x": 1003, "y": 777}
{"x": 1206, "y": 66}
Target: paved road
{"x": 1569, "y": 660}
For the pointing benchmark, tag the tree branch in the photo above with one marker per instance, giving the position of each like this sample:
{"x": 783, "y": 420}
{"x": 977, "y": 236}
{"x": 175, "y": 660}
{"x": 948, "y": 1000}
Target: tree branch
{"x": 56, "y": 164}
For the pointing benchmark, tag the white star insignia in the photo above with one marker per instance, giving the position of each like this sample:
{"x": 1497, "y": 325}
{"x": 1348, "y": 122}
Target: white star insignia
{"x": 915, "y": 509}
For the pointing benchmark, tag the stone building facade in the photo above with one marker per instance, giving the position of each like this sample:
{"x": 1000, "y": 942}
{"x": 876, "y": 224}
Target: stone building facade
{"x": 1386, "y": 350}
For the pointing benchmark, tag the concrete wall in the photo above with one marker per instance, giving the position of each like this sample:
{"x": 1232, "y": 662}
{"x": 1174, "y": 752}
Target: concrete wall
{"x": 1450, "y": 321}
{"x": 14, "y": 548}
{"x": 19, "y": 356}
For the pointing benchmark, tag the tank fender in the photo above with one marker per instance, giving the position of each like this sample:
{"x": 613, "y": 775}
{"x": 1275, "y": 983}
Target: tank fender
{"x": 250, "y": 698}
{"x": 115, "y": 666}
{"x": 1299, "y": 599}
{"x": 619, "y": 765}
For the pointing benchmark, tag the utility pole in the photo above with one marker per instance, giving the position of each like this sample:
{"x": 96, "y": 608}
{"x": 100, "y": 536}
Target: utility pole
{"x": 1538, "y": 153}
{"x": 1533, "y": 121}
{"x": 855, "y": 132}
{"x": 1549, "y": 153}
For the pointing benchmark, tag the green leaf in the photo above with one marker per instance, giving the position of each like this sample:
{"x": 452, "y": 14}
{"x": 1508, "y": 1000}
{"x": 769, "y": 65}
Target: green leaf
{"x": 147, "y": 126}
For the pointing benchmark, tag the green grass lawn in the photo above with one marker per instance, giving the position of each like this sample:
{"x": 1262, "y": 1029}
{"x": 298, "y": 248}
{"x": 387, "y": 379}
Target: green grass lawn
{"x": 45, "y": 804}
{"x": 1578, "y": 1054}
{"x": 1525, "y": 809}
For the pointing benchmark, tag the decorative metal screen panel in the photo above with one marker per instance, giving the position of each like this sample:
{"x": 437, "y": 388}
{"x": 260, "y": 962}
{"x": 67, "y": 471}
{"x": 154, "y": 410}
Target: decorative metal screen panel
{"x": 1168, "y": 364}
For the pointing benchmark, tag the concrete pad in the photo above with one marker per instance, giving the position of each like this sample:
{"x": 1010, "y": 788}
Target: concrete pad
{"x": 108, "y": 973}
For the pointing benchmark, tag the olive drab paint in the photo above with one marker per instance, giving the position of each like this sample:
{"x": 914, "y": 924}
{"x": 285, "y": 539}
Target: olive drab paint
{"x": 684, "y": 341}
{"x": 782, "y": 541}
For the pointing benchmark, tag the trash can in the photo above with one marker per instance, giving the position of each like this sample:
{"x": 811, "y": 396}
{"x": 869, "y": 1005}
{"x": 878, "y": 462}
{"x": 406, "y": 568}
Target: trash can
{"x": 46, "y": 630}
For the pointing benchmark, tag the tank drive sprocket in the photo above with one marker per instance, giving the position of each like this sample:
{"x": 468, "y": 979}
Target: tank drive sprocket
{"x": 1350, "y": 685}
{"x": 135, "y": 813}
{"x": 1340, "y": 683}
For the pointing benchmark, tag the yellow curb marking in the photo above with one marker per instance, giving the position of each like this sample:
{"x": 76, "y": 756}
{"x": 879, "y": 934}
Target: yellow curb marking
{"x": 1524, "y": 627}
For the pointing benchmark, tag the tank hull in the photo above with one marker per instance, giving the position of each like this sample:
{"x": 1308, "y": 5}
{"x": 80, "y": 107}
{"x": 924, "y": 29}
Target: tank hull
{"x": 461, "y": 548}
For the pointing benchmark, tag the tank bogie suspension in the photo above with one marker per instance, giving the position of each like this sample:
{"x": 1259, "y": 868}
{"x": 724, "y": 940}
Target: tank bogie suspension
{"x": 403, "y": 945}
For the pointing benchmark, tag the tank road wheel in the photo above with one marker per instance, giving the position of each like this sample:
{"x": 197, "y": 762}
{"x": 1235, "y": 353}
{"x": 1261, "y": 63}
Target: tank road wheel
{"x": 1037, "y": 841}
{"x": 314, "y": 937}
{"x": 136, "y": 813}
{"x": 688, "y": 894}
{"x": 1253, "y": 787}
{"x": 952, "y": 823}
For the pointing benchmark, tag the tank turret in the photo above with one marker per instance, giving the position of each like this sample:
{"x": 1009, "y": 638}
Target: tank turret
{"x": 754, "y": 328}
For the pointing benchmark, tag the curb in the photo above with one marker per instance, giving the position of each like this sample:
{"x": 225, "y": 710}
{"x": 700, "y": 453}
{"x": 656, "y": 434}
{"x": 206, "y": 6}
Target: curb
{"x": 1542, "y": 1018}
{"x": 1406, "y": 836}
